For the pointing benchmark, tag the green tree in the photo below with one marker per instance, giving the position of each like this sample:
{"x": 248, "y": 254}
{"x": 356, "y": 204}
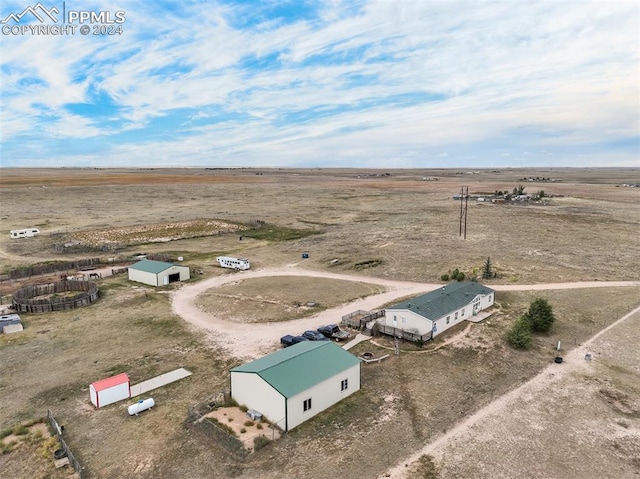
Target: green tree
{"x": 486, "y": 270}
{"x": 520, "y": 190}
{"x": 460, "y": 276}
{"x": 519, "y": 335}
{"x": 541, "y": 194}
{"x": 540, "y": 315}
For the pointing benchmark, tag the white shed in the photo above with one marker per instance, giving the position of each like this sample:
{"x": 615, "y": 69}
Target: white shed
{"x": 157, "y": 273}
{"x": 110, "y": 390}
{"x": 294, "y": 384}
{"x": 438, "y": 310}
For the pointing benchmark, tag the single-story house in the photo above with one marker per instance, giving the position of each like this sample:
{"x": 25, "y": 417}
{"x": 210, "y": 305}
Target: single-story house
{"x": 110, "y": 390}
{"x": 438, "y": 310}
{"x": 157, "y": 273}
{"x": 294, "y": 384}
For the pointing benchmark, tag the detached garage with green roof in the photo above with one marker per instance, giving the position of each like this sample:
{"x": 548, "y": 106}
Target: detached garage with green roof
{"x": 157, "y": 273}
{"x": 294, "y": 384}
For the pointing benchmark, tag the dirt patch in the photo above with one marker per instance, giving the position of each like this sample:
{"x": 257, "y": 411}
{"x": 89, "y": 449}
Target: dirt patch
{"x": 244, "y": 428}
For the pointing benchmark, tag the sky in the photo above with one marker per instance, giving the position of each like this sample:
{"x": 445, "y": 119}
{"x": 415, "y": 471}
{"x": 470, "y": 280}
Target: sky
{"x": 376, "y": 84}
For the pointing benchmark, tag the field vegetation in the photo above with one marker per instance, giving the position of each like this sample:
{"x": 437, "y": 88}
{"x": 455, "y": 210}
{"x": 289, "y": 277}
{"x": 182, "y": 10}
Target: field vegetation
{"x": 395, "y": 226}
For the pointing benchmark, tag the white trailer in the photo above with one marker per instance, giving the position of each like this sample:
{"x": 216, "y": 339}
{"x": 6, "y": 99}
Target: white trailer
{"x": 24, "y": 233}
{"x": 233, "y": 263}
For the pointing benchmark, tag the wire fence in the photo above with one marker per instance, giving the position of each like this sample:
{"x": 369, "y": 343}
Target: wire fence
{"x": 57, "y": 431}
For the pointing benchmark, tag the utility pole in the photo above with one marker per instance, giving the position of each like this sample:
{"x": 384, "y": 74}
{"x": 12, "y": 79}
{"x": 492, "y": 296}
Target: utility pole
{"x": 464, "y": 203}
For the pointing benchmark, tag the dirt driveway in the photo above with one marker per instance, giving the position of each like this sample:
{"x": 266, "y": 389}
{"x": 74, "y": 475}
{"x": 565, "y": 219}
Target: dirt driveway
{"x": 254, "y": 340}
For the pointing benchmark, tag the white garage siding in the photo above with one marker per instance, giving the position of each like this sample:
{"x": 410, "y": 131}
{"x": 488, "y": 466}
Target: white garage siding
{"x": 278, "y": 384}
{"x": 250, "y": 390}
{"x": 322, "y": 396}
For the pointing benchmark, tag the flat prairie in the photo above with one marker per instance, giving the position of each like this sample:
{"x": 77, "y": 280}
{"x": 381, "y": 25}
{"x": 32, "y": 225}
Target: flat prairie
{"x": 392, "y": 224}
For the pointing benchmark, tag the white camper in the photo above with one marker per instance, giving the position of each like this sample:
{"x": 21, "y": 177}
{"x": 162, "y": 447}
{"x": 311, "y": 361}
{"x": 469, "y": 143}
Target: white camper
{"x": 25, "y": 233}
{"x": 233, "y": 263}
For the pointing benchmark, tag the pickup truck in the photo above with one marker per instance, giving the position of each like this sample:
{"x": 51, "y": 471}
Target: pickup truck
{"x": 332, "y": 331}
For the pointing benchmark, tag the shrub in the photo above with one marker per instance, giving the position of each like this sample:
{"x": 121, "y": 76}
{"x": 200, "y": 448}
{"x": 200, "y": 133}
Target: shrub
{"x": 244, "y": 408}
{"x": 259, "y": 426}
{"x": 519, "y": 335}
{"x": 249, "y": 423}
{"x": 460, "y": 276}
{"x": 444, "y": 277}
{"x": 260, "y": 441}
{"x": 540, "y": 315}
{"x": 20, "y": 430}
{"x": 243, "y": 430}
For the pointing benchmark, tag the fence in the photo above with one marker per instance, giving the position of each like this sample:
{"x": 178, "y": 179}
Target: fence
{"x": 197, "y": 418}
{"x": 35, "y": 270}
{"x": 25, "y": 299}
{"x": 360, "y": 318}
{"x": 57, "y": 431}
{"x": 403, "y": 334}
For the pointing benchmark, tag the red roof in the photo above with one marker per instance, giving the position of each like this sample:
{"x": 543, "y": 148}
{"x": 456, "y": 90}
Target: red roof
{"x": 110, "y": 382}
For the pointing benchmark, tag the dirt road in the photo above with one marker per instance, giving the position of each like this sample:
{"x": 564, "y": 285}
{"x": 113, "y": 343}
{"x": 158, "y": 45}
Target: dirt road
{"x": 253, "y": 340}
{"x": 501, "y": 407}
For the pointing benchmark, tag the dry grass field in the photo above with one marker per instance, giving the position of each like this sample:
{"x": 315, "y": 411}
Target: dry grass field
{"x": 402, "y": 226}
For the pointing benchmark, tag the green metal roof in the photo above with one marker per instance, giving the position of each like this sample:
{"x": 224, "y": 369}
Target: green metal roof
{"x": 150, "y": 266}
{"x": 301, "y": 366}
{"x": 442, "y": 301}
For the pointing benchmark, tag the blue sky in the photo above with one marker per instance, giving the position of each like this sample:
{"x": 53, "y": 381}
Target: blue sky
{"x": 387, "y": 83}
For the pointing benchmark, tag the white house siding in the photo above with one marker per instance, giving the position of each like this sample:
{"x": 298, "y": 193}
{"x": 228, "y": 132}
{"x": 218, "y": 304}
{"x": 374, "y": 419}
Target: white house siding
{"x": 323, "y": 395}
{"x": 409, "y": 321}
{"x": 251, "y": 390}
{"x": 406, "y": 320}
{"x": 143, "y": 277}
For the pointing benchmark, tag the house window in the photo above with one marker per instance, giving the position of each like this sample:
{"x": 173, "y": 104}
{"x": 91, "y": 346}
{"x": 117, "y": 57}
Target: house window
{"x": 306, "y": 405}
{"x": 490, "y": 297}
{"x": 344, "y": 384}
{"x": 462, "y": 312}
{"x": 456, "y": 316}
{"x": 404, "y": 320}
{"x": 448, "y": 319}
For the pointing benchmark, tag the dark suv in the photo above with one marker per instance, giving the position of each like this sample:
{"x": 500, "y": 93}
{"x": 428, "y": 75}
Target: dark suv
{"x": 314, "y": 336}
{"x": 289, "y": 340}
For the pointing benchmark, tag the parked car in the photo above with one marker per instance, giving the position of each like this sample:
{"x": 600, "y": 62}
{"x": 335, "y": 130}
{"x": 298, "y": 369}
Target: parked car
{"x": 287, "y": 340}
{"x": 299, "y": 339}
{"x": 332, "y": 331}
{"x": 314, "y": 336}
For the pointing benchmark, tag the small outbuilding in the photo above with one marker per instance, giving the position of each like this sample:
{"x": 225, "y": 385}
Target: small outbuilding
{"x": 10, "y": 323}
{"x": 157, "y": 273}
{"x": 294, "y": 384}
{"x": 110, "y": 390}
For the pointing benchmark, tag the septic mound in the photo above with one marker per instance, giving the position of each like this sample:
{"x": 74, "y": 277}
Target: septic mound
{"x": 58, "y": 296}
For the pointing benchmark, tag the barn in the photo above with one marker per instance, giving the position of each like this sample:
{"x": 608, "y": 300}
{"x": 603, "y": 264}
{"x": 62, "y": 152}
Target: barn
{"x": 110, "y": 390}
{"x": 157, "y": 273}
{"x": 433, "y": 313}
{"x": 294, "y": 384}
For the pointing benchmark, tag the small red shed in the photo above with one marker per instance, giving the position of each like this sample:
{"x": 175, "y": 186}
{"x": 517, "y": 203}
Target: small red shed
{"x": 110, "y": 390}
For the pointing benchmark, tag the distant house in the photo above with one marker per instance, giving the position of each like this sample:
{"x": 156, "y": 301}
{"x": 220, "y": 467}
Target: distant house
{"x": 433, "y": 313}
{"x": 157, "y": 273}
{"x": 294, "y": 384}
